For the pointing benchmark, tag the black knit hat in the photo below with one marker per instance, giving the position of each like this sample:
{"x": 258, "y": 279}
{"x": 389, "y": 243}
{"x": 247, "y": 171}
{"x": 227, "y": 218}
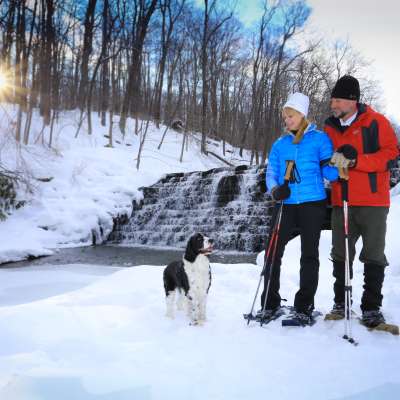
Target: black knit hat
{"x": 347, "y": 87}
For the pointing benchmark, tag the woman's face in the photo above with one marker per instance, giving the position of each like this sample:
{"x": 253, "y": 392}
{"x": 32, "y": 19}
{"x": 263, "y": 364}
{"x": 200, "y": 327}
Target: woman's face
{"x": 292, "y": 119}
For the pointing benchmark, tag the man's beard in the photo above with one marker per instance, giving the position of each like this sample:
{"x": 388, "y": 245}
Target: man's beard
{"x": 341, "y": 115}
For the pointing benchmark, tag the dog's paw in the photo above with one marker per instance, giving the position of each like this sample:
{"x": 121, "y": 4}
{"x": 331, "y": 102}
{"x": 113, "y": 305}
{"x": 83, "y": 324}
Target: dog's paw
{"x": 170, "y": 315}
{"x": 197, "y": 322}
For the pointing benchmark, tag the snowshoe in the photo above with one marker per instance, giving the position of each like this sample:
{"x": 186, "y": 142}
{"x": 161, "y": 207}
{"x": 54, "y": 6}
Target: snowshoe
{"x": 301, "y": 319}
{"x": 336, "y": 313}
{"x": 385, "y": 327}
{"x": 374, "y": 320}
{"x": 265, "y": 316}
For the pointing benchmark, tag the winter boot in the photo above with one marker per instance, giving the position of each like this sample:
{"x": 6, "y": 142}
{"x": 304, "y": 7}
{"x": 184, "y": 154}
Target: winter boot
{"x": 336, "y": 313}
{"x": 372, "y": 318}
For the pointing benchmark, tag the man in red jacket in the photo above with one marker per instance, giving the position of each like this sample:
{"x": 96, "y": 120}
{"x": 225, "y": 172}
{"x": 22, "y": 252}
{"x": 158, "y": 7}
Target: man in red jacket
{"x": 366, "y": 145}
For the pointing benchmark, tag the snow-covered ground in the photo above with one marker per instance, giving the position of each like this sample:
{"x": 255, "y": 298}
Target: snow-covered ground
{"x": 90, "y": 183}
{"x": 87, "y": 332}
{"x": 83, "y": 332}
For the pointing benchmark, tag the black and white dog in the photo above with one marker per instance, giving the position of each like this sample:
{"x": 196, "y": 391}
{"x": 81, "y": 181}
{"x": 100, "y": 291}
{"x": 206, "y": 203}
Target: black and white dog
{"x": 191, "y": 278}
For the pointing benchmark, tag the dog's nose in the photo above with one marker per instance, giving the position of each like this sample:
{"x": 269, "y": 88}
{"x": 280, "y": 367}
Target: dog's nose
{"x": 211, "y": 241}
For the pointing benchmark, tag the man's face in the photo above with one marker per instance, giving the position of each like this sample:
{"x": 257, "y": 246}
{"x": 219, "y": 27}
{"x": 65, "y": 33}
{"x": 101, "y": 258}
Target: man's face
{"x": 343, "y": 107}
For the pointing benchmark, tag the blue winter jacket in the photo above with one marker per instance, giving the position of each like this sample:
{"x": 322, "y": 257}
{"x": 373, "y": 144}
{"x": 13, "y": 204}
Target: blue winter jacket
{"x": 309, "y": 155}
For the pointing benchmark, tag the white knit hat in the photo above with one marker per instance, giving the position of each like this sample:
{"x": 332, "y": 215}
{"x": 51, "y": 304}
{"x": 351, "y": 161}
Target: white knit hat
{"x": 299, "y": 102}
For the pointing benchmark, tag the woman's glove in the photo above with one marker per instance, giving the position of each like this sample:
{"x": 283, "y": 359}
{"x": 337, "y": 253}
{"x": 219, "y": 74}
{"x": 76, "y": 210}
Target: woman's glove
{"x": 281, "y": 192}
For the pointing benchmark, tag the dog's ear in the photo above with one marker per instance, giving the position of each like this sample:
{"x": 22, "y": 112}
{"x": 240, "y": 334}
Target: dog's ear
{"x": 192, "y": 248}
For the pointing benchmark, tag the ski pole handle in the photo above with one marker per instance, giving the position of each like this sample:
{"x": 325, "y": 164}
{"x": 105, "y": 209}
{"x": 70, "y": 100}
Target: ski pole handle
{"x": 343, "y": 173}
{"x": 289, "y": 169}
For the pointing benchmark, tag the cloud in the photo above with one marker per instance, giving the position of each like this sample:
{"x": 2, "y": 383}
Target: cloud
{"x": 373, "y": 29}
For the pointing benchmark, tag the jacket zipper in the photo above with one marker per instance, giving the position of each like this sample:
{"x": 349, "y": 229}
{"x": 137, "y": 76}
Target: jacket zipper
{"x": 295, "y": 185}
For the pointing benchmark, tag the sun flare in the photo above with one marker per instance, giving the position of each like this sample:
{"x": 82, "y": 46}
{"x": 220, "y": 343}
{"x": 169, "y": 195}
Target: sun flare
{"x": 4, "y": 82}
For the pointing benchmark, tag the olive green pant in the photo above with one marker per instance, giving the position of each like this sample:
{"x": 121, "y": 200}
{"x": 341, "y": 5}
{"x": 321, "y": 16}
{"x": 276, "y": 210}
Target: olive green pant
{"x": 370, "y": 224}
{"x": 367, "y": 222}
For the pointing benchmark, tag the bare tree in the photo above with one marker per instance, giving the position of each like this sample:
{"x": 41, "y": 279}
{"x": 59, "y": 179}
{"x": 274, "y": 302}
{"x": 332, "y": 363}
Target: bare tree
{"x": 170, "y": 12}
{"x": 46, "y": 49}
{"x": 87, "y": 49}
{"x": 209, "y": 31}
{"x": 143, "y": 11}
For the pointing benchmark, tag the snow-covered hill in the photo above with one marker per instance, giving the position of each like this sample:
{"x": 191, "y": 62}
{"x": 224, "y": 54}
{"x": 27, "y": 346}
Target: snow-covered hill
{"x": 90, "y": 183}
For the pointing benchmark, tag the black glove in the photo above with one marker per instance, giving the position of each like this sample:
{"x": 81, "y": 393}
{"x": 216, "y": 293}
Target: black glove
{"x": 350, "y": 152}
{"x": 281, "y": 192}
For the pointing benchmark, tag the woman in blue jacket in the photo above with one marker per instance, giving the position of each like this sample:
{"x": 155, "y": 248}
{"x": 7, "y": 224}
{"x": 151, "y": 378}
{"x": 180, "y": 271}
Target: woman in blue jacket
{"x": 304, "y": 202}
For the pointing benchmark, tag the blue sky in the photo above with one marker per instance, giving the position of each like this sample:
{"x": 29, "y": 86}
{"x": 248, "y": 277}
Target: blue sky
{"x": 249, "y": 11}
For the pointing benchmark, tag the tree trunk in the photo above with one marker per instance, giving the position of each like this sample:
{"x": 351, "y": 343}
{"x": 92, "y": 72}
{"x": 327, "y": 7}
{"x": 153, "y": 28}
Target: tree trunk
{"x": 132, "y": 92}
{"x": 86, "y": 52}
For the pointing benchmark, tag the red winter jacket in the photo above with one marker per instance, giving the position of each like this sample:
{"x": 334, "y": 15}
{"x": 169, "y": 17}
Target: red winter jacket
{"x": 374, "y": 138}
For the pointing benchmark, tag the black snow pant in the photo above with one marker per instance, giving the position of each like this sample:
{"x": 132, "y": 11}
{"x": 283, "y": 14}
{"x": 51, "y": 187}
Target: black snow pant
{"x": 307, "y": 219}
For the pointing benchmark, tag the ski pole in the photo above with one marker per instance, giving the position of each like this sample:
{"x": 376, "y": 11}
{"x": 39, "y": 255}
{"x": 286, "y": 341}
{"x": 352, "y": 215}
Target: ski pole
{"x": 271, "y": 264}
{"x": 272, "y": 244}
{"x": 347, "y": 285}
